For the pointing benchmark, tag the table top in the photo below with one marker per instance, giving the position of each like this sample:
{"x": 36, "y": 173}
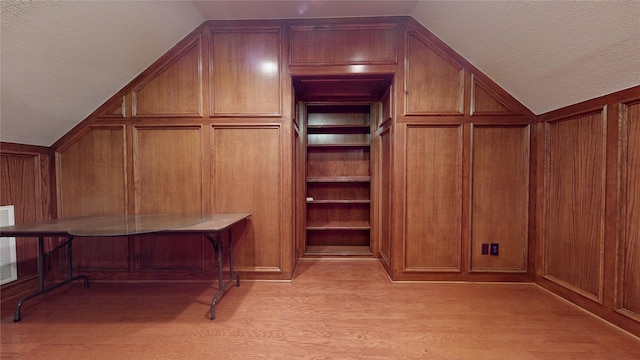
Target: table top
{"x": 122, "y": 225}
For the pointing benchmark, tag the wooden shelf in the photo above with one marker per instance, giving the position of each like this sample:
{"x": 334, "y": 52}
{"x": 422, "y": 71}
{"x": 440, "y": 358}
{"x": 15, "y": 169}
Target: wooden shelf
{"x": 339, "y": 129}
{"x": 338, "y": 250}
{"x": 341, "y": 145}
{"x": 338, "y": 179}
{"x": 339, "y": 201}
{"x": 338, "y": 225}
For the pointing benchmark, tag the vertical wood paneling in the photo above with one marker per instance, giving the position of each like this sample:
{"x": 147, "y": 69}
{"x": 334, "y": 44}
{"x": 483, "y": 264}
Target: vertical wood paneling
{"x": 629, "y": 274}
{"x": 91, "y": 181}
{"x": 246, "y": 178}
{"x": 385, "y": 222}
{"x": 246, "y": 72}
{"x": 500, "y": 194}
{"x": 434, "y": 82}
{"x": 168, "y": 179}
{"x": 299, "y": 192}
{"x": 574, "y": 203}
{"x": 19, "y": 176}
{"x": 433, "y": 198}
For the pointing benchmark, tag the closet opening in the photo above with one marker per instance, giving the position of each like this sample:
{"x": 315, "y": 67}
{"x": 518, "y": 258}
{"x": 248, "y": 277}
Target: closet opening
{"x": 339, "y": 118}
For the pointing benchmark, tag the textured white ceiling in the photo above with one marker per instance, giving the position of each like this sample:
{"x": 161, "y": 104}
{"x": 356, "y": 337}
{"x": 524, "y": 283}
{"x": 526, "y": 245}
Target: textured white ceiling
{"x": 60, "y": 60}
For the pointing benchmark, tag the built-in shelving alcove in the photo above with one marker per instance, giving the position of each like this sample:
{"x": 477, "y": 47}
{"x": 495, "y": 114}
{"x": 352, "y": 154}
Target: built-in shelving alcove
{"x": 339, "y": 116}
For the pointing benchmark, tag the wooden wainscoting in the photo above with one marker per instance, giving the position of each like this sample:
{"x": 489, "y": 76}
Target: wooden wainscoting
{"x": 26, "y": 181}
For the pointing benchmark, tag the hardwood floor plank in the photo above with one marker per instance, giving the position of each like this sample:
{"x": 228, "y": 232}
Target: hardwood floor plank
{"x": 332, "y": 310}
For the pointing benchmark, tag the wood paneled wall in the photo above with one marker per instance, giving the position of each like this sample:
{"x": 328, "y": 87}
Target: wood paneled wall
{"x": 457, "y": 163}
{"x": 92, "y": 180}
{"x": 628, "y": 291}
{"x": 460, "y": 169}
{"x": 588, "y": 218}
{"x": 26, "y": 178}
{"x": 206, "y": 128}
{"x": 573, "y": 238}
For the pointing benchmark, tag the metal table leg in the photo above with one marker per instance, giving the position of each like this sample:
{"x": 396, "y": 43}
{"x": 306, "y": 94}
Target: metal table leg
{"x": 222, "y": 285}
{"x": 42, "y": 271}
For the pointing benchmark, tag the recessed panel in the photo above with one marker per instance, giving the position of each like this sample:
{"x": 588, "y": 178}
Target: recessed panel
{"x": 500, "y": 197}
{"x": 575, "y": 180}
{"x": 433, "y": 229}
{"x": 629, "y": 290}
{"x": 343, "y": 44}
{"x": 174, "y": 91}
{"x": 92, "y": 182}
{"x": 434, "y": 81}
{"x": 245, "y": 72}
{"x": 246, "y": 178}
{"x": 168, "y": 179}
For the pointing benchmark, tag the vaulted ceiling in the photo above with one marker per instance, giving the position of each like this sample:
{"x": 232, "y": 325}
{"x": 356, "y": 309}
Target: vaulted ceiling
{"x": 60, "y": 60}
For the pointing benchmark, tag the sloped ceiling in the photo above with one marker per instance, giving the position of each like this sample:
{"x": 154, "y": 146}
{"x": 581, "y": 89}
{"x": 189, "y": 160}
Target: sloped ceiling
{"x": 60, "y": 60}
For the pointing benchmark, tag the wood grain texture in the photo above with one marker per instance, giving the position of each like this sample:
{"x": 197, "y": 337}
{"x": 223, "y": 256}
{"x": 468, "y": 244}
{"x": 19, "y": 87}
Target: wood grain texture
{"x": 500, "y": 197}
{"x": 574, "y": 203}
{"x": 168, "y": 179}
{"x": 91, "y": 181}
{"x": 434, "y": 82}
{"x": 338, "y": 153}
{"x": 332, "y": 310}
{"x": 385, "y": 201}
{"x": 343, "y": 44}
{"x": 245, "y": 72}
{"x": 91, "y": 174}
{"x": 485, "y": 102}
{"x": 433, "y": 227}
{"x": 325, "y": 162}
{"x": 19, "y": 186}
{"x": 299, "y": 191}
{"x": 629, "y": 273}
{"x": 246, "y": 178}
{"x": 176, "y": 90}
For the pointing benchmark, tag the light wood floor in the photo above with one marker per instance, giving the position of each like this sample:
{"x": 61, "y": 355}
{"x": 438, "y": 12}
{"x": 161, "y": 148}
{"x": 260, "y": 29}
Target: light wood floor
{"x": 332, "y": 310}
